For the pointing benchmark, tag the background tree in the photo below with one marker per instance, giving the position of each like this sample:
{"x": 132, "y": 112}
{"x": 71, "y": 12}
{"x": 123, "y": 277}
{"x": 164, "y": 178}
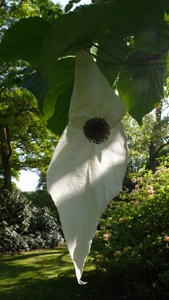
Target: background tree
{"x": 133, "y": 55}
{"x": 25, "y": 141}
{"x": 148, "y": 144}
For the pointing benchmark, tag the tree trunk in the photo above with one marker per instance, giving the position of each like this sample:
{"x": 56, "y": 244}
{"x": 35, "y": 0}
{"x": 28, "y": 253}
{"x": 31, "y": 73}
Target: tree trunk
{"x": 6, "y": 152}
{"x": 153, "y": 147}
{"x": 152, "y": 155}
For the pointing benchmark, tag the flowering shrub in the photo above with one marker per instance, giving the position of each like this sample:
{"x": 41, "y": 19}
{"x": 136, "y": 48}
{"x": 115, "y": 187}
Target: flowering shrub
{"x": 132, "y": 243}
{"x": 25, "y": 227}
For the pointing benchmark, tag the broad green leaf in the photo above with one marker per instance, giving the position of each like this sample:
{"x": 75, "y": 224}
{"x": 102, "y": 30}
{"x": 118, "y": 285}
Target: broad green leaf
{"x": 68, "y": 7}
{"x": 24, "y": 40}
{"x": 57, "y": 101}
{"x": 130, "y": 16}
{"x": 142, "y": 78}
{"x": 107, "y": 26}
{"x": 127, "y": 19}
{"x": 111, "y": 55}
{"x": 38, "y": 86}
{"x": 70, "y": 4}
{"x": 77, "y": 29}
{"x": 141, "y": 86}
{"x": 54, "y": 98}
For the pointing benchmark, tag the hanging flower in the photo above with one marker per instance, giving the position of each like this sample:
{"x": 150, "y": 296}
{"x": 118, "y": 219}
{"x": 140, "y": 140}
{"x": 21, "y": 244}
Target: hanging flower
{"x": 90, "y": 160}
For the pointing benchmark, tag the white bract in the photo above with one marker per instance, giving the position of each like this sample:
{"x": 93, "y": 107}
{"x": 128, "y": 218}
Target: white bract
{"x": 89, "y": 162}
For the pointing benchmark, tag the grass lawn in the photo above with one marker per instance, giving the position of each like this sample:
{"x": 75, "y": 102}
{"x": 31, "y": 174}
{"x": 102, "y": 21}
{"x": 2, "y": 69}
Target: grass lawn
{"x": 49, "y": 275}
{"x": 45, "y": 274}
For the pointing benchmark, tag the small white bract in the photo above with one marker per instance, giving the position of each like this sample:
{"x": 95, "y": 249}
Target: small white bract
{"x": 90, "y": 160}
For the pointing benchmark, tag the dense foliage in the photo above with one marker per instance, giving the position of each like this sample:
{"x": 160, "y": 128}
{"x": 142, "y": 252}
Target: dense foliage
{"x": 132, "y": 243}
{"x": 149, "y": 145}
{"x": 42, "y": 198}
{"x": 25, "y": 142}
{"x": 129, "y": 40}
{"x": 24, "y": 226}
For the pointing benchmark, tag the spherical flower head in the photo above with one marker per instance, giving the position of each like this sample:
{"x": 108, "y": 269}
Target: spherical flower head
{"x": 106, "y": 236}
{"x": 89, "y": 163}
{"x": 166, "y": 238}
{"x": 140, "y": 180}
{"x": 122, "y": 219}
{"x": 117, "y": 255}
{"x": 96, "y": 130}
{"x": 134, "y": 180}
{"x": 127, "y": 249}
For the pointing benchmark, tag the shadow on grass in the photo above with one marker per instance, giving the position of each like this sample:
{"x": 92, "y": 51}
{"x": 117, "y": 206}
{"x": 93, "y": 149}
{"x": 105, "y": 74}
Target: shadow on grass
{"x": 40, "y": 275}
{"x": 65, "y": 288}
{"x": 27, "y": 255}
{"x": 50, "y": 275}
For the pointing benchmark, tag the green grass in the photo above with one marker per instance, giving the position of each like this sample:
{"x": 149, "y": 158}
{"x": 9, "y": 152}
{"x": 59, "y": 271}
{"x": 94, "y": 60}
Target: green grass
{"x": 44, "y": 274}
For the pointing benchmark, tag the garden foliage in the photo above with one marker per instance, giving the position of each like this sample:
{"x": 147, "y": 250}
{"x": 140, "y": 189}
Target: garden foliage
{"x": 130, "y": 39}
{"x": 132, "y": 245}
{"x": 24, "y": 226}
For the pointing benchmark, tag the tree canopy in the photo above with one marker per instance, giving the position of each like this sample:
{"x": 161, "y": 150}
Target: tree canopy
{"x": 25, "y": 140}
{"x": 130, "y": 41}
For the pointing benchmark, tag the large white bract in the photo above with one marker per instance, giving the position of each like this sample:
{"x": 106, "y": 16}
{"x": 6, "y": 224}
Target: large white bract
{"x": 89, "y": 163}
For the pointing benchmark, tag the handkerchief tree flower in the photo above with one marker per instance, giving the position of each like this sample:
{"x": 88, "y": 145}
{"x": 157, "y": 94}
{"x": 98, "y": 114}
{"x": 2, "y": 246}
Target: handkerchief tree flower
{"x": 89, "y": 163}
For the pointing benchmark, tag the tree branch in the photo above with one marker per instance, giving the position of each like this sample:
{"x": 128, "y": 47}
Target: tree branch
{"x": 158, "y": 150}
{"x": 153, "y": 58}
{"x": 19, "y": 112}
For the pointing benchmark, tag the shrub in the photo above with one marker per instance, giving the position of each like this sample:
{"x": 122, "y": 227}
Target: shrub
{"x": 25, "y": 227}
{"x": 14, "y": 210}
{"x": 41, "y": 198}
{"x": 132, "y": 243}
{"x": 43, "y": 225}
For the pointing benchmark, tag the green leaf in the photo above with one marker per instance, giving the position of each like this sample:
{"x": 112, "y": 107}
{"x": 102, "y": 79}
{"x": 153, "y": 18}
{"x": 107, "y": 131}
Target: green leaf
{"x": 54, "y": 98}
{"x": 142, "y": 78}
{"x": 77, "y": 29}
{"x": 38, "y": 86}
{"x": 111, "y": 55}
{"x": 56, "y": 103}
{"x": 141, "y": 86}
{"x": 130, "y": 17}
{"x": 70, "y": 4}
{"x": 68, "y": 7}
{"x": 24, "y": 40}
{"x": 110, "y": 27}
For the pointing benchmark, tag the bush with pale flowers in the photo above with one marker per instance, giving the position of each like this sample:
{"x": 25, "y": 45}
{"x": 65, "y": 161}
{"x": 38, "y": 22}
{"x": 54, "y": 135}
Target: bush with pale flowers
{"x": 135, "y": 244}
